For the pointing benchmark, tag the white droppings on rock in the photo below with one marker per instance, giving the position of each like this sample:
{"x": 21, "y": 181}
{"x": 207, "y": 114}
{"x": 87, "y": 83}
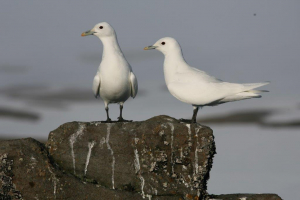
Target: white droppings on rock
{"x": 137, "y": 168}
{"x": 142, "y": 185}
{"x": 196, "y": 170}
{"x": 161, "y": 133}
{"x": 136, "y": 140}
{"x": 33, "y": 162}
{"x": 54, "y": 181}
{"x": 72, "y": 140}
{"x": 185, "y": 182}
{"x": 190, "y": 134}
{"x": 243, "y": 198}
{"x": 102, "y": 142}
{"x": 181, "y": 158}
{"x": 137, "y": 165}
{"x": 152, "y": 167}
{"x": 164, "y": 125}
{"x": 172, "y": 140}
{"x": 90, "y": 146}
{"x": 97, "y": 123}
{"x": 197, "y": 129}
{"x": 165, "y": 184}
{"x": 169, "y": 119}
{"x": 112, "y": 154}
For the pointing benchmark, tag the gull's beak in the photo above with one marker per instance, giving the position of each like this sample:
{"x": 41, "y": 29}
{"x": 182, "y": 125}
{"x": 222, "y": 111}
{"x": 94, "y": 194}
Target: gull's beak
{"x": 150, "y": 47}
{"x": 90, "y": 32}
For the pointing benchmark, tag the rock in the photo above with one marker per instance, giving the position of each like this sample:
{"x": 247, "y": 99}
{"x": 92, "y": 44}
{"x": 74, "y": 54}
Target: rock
{"x": 158, "y": 159}
{"x": 245, "y": 197}
{"x": 159, "y": 156}
{"x": 27, "y": 172}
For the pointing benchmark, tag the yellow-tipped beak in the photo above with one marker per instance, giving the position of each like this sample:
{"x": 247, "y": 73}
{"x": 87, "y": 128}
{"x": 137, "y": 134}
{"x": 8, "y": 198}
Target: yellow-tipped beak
{"x": 90, "y": 32}
{"x": 150, "y": 47}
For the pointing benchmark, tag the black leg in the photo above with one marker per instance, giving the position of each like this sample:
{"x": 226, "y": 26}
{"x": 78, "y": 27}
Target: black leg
{"x": 195, "y": 114}
{"x": 121, "y": 118}
{"x": 108, "y": 120}
{"x": 121, "y": 109}
{"x": 193, "y": 120}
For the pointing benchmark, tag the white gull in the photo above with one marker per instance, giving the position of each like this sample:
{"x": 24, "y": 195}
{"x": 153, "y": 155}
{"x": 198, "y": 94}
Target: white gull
{"x": 195, "y": 87}
{"x": 114, "y": 81}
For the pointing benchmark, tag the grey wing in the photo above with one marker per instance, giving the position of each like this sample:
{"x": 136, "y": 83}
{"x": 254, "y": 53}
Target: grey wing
{"x": 96, "y": 85}
{"x": 133, "y": 84}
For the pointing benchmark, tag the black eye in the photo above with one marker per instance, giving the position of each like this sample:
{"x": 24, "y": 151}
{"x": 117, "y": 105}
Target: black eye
{"x": 163, "y": 43}
{"x": 101, "y": 27}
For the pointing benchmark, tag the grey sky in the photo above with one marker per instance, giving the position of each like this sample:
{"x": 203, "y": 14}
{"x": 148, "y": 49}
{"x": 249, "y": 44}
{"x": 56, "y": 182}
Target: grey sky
{"x": 46, "y": 69}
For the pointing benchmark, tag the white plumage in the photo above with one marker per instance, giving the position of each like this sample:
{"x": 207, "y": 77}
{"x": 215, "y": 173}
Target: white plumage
{"x": 114, "y": 81}
{"x": 193, "y": 86}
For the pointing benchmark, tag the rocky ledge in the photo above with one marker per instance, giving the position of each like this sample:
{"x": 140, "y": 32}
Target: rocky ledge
{"x": 159, "y": 158}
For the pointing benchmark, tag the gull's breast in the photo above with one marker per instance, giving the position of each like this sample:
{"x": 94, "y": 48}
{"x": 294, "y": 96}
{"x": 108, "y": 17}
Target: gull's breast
{"x": 115, "y": 84}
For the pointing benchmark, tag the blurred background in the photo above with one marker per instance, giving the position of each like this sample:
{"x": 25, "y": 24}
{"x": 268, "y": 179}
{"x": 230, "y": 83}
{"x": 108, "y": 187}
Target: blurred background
{"x": 47, "y": 69}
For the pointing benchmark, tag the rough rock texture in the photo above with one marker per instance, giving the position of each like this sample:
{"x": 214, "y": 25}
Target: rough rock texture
{"x": 245, "y": 197}
{"x": 158, "y": 159}
{"x": 27, "y": 172}
{"x": 159, "y": 156}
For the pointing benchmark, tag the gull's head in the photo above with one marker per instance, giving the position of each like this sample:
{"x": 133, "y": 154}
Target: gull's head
{"x": 100, "y": 30}
{"x": 165, "y": 45}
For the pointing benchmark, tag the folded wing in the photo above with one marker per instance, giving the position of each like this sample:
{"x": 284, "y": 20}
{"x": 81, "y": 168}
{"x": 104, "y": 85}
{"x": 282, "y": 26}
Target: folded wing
{"x": 212, "y": 93}
{"x": 96, "y": 85}
{"x": 134, "y": 84}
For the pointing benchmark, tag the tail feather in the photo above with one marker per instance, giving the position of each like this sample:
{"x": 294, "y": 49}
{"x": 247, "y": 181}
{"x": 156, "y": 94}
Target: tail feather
{"x": 257, "y": 91}
{"x": 241, "y": 96}
{"x": 251, "y": 86}
{"x": 247, "y": 93}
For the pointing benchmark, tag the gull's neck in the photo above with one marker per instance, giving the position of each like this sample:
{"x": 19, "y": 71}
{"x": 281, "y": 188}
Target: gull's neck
{"x": 111, "y": 48}
{"x": 174, "y": 62}
{"x": 175, "y": 57}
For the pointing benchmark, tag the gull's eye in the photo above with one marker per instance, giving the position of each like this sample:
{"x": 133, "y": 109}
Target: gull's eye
{"x": 101, "y": 27}
{"x": 163, "y": 43}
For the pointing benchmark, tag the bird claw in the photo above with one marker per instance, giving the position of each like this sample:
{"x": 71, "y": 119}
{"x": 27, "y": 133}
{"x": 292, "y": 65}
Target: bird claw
{"x": 120, "y": 119}
{"x": 107, "y": 121}
{"x": 188, "y": 121}
{"x": 185, "y": 120}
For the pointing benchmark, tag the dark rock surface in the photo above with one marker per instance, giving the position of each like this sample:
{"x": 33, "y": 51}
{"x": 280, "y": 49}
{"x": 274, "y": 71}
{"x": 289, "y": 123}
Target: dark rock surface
{"x": 27, "y": 172}
{"x": 158, "y": 159}
{"x": 159, "y": 156}
{"x": 245, "y": 197}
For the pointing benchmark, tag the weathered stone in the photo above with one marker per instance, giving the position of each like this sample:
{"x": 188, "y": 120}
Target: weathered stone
{"x": 245, "y": 197}
{"x": 158, "y": 159}
{"x": 27, "y": 172}
{"x": 159, "y": 156}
